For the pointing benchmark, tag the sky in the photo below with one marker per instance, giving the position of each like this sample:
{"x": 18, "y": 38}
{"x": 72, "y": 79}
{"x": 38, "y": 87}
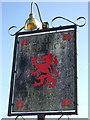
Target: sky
{"x": 16, "y": 13}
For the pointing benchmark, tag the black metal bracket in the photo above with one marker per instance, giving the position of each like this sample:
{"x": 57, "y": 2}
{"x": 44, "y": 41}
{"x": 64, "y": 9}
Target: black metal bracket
{"x": 16, "y": 32}
{"x": 51, "y": 24}
{"x": 70, "y": 21}
{"x": 40, "y": 117}
{"x": 62, "y": 116}
{"x": 18, "y": 116}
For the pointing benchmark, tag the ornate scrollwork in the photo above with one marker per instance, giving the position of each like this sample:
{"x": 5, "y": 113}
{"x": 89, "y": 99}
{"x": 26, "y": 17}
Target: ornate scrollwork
{"x": 51, "y": 24}
{"x": 70, "y": 20}
{"x": 12, "y": 28}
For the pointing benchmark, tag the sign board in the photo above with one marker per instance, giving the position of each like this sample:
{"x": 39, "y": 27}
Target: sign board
{"x": 45, "y": 75}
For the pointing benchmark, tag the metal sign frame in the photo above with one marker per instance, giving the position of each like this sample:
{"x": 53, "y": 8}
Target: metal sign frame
{"x": 10, "y": 113}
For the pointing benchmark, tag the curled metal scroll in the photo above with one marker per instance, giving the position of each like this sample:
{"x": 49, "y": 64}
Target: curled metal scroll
{"x": 70, "y": 20}
{"x": 12, "y": 28}
{"x": 51, "y": 24}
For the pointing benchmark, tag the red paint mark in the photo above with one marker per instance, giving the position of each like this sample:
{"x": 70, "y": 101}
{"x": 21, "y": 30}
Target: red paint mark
{"x": 19, "y": 104}
{"x": 24, "y": 42}
{"x": 66, "y": 102}
{"x": 47, "y": 65}
{"x": 67, "y": 36}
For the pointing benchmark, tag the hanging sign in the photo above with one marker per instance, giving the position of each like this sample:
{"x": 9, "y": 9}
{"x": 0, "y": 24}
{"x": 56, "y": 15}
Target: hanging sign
{"x": 44, "y": 76}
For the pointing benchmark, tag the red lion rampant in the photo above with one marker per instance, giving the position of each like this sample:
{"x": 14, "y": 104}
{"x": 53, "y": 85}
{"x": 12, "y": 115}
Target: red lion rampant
{"x": 47, "y": 68}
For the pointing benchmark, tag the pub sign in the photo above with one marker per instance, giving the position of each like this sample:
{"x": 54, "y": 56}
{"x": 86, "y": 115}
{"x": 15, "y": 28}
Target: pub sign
{"x": 44, "y": 73}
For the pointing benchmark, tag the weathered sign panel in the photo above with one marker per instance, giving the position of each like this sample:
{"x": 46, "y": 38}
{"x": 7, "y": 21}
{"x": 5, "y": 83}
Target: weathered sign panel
{"x": 45, "y": 74}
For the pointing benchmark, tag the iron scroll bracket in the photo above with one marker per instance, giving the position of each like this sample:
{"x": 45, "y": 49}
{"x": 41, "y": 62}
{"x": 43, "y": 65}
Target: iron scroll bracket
{"x": 51, "y": 24}
{"x": 70, "y": 21}
{"x": 16, "y": 32}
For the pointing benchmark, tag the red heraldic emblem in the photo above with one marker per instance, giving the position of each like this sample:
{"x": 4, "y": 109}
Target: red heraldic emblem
{"x": 24, "y": 42}
{"x": 19, "y": 104}
{"x": 66, "y": 102}
{"x": 67, "y": 36}
{"x": 47, "y": 68}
